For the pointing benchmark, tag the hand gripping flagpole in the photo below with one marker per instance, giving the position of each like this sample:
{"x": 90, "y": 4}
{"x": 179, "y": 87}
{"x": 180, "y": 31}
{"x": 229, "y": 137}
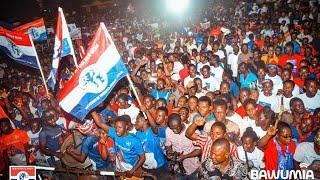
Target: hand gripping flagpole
{"x": 35, "y": 52}
{"x": 135, "y": 93}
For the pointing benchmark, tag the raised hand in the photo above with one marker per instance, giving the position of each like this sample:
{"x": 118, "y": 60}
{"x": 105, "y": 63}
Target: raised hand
{"x": 199, "y": 121}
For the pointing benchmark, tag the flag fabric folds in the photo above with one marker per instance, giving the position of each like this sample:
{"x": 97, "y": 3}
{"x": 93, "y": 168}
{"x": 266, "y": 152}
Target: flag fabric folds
{"x": 18, "y": 47}
{"x": 36, "y": 29}
{"x": 98, "y": 73}
{"x": 62, "y": 47}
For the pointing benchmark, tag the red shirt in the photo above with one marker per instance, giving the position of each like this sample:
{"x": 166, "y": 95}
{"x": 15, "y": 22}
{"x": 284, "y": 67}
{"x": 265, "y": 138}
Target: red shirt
{"x": 294, "y": 59}
{"x": 183, "y": 73}
{"x": 15, "y": 141}
{"x": 271, "y": 154}
{"x": 298, "y": 82}
{"x": 242, "y": 112}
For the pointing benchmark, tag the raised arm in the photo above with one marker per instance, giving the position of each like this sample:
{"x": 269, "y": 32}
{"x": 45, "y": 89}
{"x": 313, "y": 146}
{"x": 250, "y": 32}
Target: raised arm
{"x": 99, "y": 122}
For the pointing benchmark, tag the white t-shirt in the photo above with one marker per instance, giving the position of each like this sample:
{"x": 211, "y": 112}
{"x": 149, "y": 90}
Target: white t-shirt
{"x": 256, "y": 156}
{"x": 248, "y": 122}
{"x": 310, "y": 103}
{"x": 177, "y": 66}
{"x": 233, "y": 62}
{"x": 211, "y": 83}
{"x": 188, "y": 79}
{"x": 286, "y": 102}
{"x": 270, "y": 101}
{"x": 217, "y": 71}
{"x": 236, "y": 118}
{"x": 305, "y": 153}
{"x": 220, "y": 53}
{"x": 200, "y": 65}
{"x": 284, "y": 19}
{"x": 132, "y": 111}
{"x": 277, "y": 83}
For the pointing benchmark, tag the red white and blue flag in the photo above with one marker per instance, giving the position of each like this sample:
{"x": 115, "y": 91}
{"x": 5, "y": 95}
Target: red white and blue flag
{"x": 98, "y": 73}
{"x": 36, "y": 29}
{"x": 62, "y": 47}
{"x": 18, "y": 47}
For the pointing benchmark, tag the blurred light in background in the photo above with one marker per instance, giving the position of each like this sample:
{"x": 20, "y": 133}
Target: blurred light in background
{"x": 177, "y": 6}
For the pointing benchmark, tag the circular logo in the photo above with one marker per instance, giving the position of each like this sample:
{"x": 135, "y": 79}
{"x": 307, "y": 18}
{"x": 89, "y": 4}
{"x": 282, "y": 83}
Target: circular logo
{"x": 23, "y": 175}
{"x": 34, "y": 33}
{"x": 92, "y": 79}
{"x": 15, "y": 51}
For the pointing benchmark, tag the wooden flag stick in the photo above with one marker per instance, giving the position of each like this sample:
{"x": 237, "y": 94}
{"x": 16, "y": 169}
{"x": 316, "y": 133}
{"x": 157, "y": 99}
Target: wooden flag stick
{"x": 35, "y": 52}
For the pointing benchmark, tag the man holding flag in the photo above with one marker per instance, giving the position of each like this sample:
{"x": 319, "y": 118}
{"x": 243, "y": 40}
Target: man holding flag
{"x": 62, "y": 47}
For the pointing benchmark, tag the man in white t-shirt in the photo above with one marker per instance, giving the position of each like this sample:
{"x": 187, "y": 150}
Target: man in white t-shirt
{"x": 276, "y": 79}
{"x": 266, "y": 98}
{"x": 212, "y": 84}
{"x": 127, "y": 109}
{"x": 192, "y": 75}
{"x": 308, "y": 152}
{"x": 310, "y": 98}
{"x": 233, "y": 60}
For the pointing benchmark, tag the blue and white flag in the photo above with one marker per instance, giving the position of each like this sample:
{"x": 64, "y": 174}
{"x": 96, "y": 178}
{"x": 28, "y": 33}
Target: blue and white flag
{"x": 36, "y": 29}
{"x": 62, "y": 47}
{"x": 18, "y": 47}
{"x": 98, "y": 73}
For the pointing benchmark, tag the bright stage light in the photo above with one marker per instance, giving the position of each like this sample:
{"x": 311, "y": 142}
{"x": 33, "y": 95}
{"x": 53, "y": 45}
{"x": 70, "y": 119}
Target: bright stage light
{"x": 177, "y": 6}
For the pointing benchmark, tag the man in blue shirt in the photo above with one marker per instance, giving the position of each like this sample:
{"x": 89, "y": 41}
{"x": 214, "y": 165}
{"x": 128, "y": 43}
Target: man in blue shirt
{"x": 90, "y": 149}
{"x": 129, "y": 152}
{"x": 247, "y": 78}
{"x": 160, "y": 91}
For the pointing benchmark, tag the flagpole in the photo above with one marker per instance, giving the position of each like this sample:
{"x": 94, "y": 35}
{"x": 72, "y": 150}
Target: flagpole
{"x": 35, "y": 52}
{"x": 135, "y": 93}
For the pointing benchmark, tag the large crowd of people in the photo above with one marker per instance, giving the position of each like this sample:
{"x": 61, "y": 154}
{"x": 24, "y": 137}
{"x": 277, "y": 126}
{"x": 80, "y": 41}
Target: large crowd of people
{"x": 231, "y": 89}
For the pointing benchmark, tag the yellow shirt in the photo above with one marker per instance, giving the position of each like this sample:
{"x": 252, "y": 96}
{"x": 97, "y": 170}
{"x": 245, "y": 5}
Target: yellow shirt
{"x": 274, "y": 60}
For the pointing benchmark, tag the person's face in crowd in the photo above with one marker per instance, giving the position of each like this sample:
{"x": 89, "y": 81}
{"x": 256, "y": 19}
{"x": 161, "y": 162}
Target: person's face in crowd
{"x": 182, "y": 101}
{"x": 304, "y": 72}
{"x": 198, "y": 83}
{"x": 244, "y": 95}
{"x": 236, "y": 49}
{"x": 192, "y": 90}
{"x": 256, "y": 55}
{"x": 287, "y": 89}
{"x": 272, "y": 71}
{"x": 192, "y": 71}
{"x": 123, "y": 91}
{"x": 35, "y": 127}
{"x": 171, "y": 58}
{"x": 214, "y": 62}
{"x": 121, "y": 128}
{"x": 307, "y": 125}
{"x": 285, "y": 136}
{"x": 42, "y": 91}
{"x": 242, "y": 69}
{"x": 314, "y": 63}
{"x": 160, "y": 73}
{"x": 219, "y": 154}
{"x": 160, "y": 104}
{"x": 176, "y": 126}
{"x": 25, "y": 99}
{"x": 44, "y": 105}
{"x": 5, "y": 127}
{"x": 261, "y": 73}
{"x": 210, "y": 95}
{"x": 140, "y": 123}
{"x": 278, "y": 51}
{"x": 224, "y": 88}
{"x": 161, "y": 117}
{"x": 123, "y": 104}
{"x": 285, "y": 75}
{"x": 267, "y": 87}
{"x": 184, "y": 114}
{"x": 251, "y": 111}
{"x": 270, "y": 51}
{"x": 205, "y": 72}
{"x": 248, "y": 144}
{"x": 185, "y": 50}
{"x": 154, "y": 55}
{"x": 204, "y": 108}
{"x": 192, "y": 104}
{"x": 220, "y": 113}
{"x": 244, "y": 48}
{"x": 298, "y": 107}
{"x": 262, "y": 121}
{"x": 216, "y": 132}
{"x": 51, "y": 120}
{"x": 317, "y": 143}
{"x": 170, "y": 66}
{"x": 34, "y": 82}
{"x": 144, "y": 75}
{"x": 148, "y": 102}
{"x": 160, "y": 84}
{"x": 203, "y": 58}
{"x": 311, "y": 89}
{"x": 308, "y": 52}
{"x": 215, "y": 47}
{"x": 289, "y": 50}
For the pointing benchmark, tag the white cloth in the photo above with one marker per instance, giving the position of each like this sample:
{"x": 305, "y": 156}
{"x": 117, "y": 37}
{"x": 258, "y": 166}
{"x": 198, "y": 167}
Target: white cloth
{"x": 132, "y": 111}
{"x": 211, "y": 83}
{"x": 188, "y": 79}
{"x": 310, "y": 103}
{"x": 220, "y": 53}
{"x": 236, "y": 118}
{"x": 271, "y": 101}
{"x": 217, "y": 71}
{"x": 277, "y": 83}
{"x": 233, "y": 62}
{"x": 305, "y": 153}
{"x": 255, "y": 156}
{"x": 286, "y": 102}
